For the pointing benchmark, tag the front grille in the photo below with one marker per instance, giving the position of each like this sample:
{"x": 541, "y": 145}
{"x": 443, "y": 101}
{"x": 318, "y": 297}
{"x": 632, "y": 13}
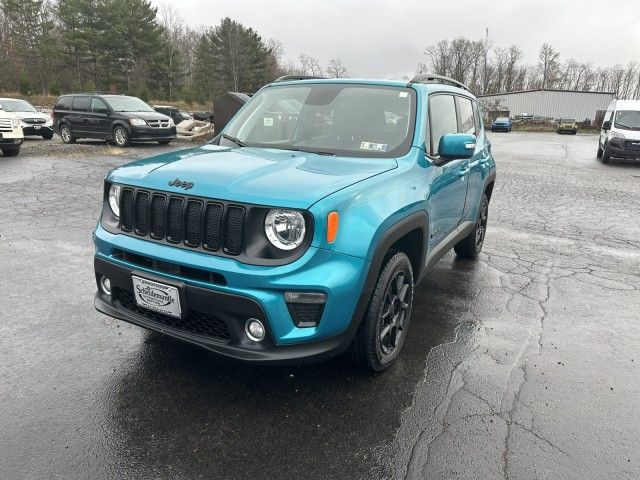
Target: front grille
{"x": 158, "y": 123}
{"x": 181, "y": 220}
{"x": 5, "y": 125}
{"x": 195, "y": 322}
{"x": 34, "y": 121}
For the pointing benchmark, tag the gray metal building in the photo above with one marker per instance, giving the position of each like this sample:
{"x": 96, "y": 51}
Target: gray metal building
{"x": 550, "y": 103}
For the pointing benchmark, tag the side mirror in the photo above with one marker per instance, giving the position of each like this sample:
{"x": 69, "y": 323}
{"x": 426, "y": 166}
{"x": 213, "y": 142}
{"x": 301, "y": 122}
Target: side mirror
{"x": 454, "y": 146}
{"x": 606, "y": 125}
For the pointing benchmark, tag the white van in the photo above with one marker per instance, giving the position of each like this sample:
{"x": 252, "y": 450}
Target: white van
{"x": 11, "y": 136}
{"x": 620, "y": 134}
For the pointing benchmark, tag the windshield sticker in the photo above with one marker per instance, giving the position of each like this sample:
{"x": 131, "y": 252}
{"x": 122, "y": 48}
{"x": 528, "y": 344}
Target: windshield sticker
{"x": 403, "y": 94}
{"x": 268, "y": 122}
{"x": 377, "y": 147}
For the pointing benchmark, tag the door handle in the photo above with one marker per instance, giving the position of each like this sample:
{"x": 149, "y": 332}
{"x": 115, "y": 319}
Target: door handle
{"x": 463, "y": 171}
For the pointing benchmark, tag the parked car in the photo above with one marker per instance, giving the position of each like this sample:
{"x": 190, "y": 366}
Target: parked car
{"x": 567, "y": 125}
{"x": 11, "y": 136}
{"x": 620, "y": 134}
{"x": 32, "y": 121}
{"x": 117, "y": 118}
{"x": 501, "y": 124}
{"x": 174, "y": 112}
{"x": 283, "y": 242}
{"x": 203, "y": 116}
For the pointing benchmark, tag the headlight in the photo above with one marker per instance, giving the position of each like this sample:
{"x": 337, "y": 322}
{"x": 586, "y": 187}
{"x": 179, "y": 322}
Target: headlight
{"x": 285, "y": 228}
{"x": 15, "y": 123}
{"x": 49, "y": 122}
{"x": 137, "y": 122}
{"x": 617, "y": 135}
{"x": 23, "y": 124}
{"x": 114, "y": 199}
{"x": 171, "y": 122}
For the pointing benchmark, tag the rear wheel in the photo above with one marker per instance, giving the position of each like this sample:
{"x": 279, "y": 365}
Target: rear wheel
{"x": 471, "y": 245}
{"x": 381, "y": 334}
{"x": 121, "y": 137}
{"x": 66, "y": 134}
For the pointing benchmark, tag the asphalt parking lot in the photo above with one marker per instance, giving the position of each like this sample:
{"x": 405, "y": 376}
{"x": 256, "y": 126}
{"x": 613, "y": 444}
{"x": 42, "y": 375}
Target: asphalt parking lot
{"x": 523, "y": 365}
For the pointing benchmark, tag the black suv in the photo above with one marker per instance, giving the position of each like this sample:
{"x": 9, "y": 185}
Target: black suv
{"x": 115, "y": 118}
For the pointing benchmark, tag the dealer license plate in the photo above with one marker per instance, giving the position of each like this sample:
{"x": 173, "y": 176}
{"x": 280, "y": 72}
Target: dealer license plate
{"x": 156, "y": 296}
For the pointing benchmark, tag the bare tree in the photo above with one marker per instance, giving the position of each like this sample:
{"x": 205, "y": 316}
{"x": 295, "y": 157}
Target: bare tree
{"x": 336, "y": 69}
{"x": 310, "y": 65}
{"x": 549, "y": 63}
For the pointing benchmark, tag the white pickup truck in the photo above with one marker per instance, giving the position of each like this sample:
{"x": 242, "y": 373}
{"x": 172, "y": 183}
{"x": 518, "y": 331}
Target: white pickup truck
{"x": 11, "y": 136}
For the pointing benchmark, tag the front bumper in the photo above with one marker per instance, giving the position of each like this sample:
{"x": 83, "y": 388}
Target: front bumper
{"x": 11, "y": 140}
{"x": 152, "y": 134}
{"x": 38, "y": 130}
{"x": 624, "y": 148}
{"x": 248, "y": 291}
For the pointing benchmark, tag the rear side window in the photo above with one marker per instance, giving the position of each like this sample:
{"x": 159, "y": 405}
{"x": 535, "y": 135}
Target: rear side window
{"x": 443, "y": 119}
{"x": 465, "y": 112}
{"x": 64, "y": 103}
{"x": 81, "y": 104}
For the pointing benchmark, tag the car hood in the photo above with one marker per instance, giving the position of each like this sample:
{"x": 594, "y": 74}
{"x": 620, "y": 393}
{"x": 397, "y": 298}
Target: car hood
{"x": 633, "y": 135}
{"x": 251, "y": 175}
{"x": 145, "y": 115}
{"x": 23, "y": 115}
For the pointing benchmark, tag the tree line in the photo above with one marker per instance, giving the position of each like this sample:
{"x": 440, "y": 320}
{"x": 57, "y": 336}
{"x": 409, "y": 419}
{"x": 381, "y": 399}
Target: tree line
{"x": 488, "y": 69}
{"x": 130, "y": 46}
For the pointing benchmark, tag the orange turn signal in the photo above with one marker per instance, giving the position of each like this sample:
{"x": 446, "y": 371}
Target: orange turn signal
{"x": 333, "y": 220}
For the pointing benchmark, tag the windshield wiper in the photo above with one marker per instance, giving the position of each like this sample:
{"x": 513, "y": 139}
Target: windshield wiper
{"x": 240, "y": 143}
{"x": 627, "y": 127}
{"x": 317, "y": 152}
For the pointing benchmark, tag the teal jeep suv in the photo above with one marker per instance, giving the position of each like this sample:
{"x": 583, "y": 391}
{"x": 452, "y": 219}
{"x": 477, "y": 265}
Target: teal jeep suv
{"x": 301, "y": 230}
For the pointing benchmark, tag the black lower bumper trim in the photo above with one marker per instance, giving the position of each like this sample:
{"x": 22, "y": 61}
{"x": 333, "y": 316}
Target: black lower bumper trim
{"x": 233, "y": 309}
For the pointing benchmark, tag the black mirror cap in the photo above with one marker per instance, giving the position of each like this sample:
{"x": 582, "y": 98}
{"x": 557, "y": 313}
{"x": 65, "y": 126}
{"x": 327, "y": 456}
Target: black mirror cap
{"x": 606, "y": 125}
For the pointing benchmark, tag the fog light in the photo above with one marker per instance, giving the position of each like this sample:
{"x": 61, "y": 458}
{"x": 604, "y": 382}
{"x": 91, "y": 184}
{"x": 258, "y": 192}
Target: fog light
{"x": 254, "y": 330}
{"x": 105, "y": 285}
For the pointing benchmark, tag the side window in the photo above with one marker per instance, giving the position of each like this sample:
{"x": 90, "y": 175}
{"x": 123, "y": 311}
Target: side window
{"x": 81, "y": 104}
{"x": 465, "y": 112}
{"x": 478, "y": 116}
{"x": 64, "y": 103}
{"x": 98, "y": 106}
{"x": 443, "y": 120}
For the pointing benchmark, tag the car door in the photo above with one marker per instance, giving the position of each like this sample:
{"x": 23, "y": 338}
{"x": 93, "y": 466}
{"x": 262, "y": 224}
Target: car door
{"x": 77, "y": 117}
{"x": 449, "y": 187}
{"x": 98, "y": 119}
{"x": 471, "y": 122}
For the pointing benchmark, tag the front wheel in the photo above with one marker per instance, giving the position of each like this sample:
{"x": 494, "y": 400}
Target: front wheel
{"x": 471, "y": 245}
{"x": 47, "y": 136}
{"x": 121, "y": 137}
{"x": 606, "y": 154}
{"x": 11, "y": 153}
{"x": 381, "y": 334}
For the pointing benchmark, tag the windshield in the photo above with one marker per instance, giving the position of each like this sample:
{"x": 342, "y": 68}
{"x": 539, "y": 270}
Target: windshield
{"x": 333, "y": 119}
{"x": 628, "y": 119}
{"x": 502, "y": 119}
{"x": 15, "y": 105}
{"x": 567, "y": 120}
{"x": 127, "y": 104}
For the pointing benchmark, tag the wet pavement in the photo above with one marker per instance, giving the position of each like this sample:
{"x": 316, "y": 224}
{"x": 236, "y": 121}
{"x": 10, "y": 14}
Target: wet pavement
{"x": 522, "y": 365}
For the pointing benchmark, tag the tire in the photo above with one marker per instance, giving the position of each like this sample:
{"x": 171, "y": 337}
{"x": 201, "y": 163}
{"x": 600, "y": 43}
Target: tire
{"x": 384, "y": 327}
{"x": 11, "y": 153}
{"x": 47, "y": 136}
{"x": 67, "y": 134}
{"x": 606, "y": 154}
{"x": 599, "y": 152}
{"x": 493, "y": 130}
{"x": 164, "y": 142}
{"x": 121, "y": 137}
{"x": 471, "y": 245}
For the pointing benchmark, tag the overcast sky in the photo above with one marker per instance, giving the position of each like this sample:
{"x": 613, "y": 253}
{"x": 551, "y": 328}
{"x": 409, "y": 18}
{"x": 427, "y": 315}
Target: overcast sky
{"x": 385, "y": 38}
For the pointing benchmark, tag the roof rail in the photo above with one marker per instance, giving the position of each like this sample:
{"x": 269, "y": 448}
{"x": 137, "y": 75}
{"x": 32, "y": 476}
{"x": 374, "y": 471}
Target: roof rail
{"x": 289, "y": 78}
{"x": 433, "y": 78}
